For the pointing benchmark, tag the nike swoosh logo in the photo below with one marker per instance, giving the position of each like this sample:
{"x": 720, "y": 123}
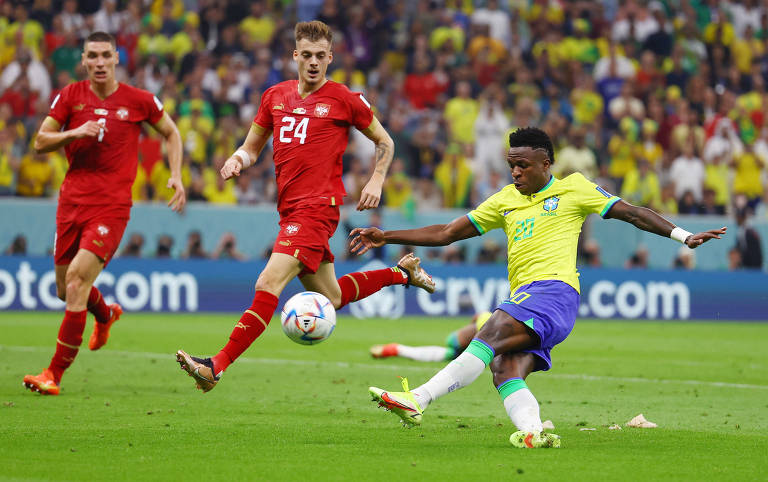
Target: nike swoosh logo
{"x": 394, "y": 403}
{"x": 507, "y": 212}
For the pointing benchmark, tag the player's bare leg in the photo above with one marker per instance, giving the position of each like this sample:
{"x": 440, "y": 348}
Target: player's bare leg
{"x": 78, "y": 279}
{"x": 279, "y": 271}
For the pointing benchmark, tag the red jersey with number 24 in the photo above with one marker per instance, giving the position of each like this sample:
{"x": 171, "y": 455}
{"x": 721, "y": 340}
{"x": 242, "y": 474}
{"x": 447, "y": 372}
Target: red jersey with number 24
{"x": 309, "y": 137}
{"x": 102, "y": 169}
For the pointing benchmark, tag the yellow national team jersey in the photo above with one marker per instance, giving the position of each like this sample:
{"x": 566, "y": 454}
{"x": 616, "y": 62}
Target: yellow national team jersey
{"x": 543, "y": 229}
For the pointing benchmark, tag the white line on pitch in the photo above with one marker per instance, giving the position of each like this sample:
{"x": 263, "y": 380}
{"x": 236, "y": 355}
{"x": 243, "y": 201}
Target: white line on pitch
{"x": 411, "y": 368}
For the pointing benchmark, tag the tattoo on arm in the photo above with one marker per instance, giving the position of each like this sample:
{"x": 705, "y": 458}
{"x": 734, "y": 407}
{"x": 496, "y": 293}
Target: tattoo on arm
{"x": 383, "y": 158}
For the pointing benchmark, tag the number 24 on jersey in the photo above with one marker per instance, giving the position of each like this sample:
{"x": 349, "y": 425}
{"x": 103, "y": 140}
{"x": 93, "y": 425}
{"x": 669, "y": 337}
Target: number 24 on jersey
{"x": 293, "y": 130}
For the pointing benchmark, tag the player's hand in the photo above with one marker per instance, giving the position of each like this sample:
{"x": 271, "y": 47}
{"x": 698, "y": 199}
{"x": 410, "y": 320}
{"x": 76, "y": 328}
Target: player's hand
{"x": 371, "y": 194}
{"x": 231, "y": 168}
{"x": 696, "y": 240}
{"x": 179, "y": 198}
{"x": 89, "y": 129}
{"x": 364, "y": 239}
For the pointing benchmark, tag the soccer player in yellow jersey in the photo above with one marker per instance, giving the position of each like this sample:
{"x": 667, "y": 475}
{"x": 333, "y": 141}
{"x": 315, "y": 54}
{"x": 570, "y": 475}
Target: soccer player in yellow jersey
{"x": 542, "y": 217}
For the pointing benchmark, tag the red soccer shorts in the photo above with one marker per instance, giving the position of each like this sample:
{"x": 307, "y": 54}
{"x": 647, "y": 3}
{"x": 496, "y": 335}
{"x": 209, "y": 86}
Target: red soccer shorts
{"x": 95, "y": 228}
{"x": 304, "y": 234}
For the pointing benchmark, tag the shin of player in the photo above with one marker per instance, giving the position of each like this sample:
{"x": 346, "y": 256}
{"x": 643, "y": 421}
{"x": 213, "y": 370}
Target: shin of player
{"x": 101, "y": 120}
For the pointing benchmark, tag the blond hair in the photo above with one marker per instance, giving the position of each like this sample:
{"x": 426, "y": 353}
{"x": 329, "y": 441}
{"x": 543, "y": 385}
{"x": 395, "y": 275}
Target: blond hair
{"x": 313, "y": 31}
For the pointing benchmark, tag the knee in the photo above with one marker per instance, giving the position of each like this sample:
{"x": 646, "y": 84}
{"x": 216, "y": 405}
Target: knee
{"x": 268, "y": 283}
{"x": 74, "y": 283}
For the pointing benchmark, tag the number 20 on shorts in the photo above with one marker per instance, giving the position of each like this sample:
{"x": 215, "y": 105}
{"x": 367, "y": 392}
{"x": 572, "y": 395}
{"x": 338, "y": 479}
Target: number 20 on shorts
{"x": 519, "y": 297}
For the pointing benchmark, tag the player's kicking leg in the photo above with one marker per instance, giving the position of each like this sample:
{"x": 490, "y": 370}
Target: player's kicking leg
{"x": 280, "y": 269}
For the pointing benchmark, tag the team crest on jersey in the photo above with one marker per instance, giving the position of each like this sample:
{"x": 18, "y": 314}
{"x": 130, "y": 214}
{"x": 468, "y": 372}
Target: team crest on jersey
{"x": 122, "y": 113}
{"x": 292, "y": 229}
{"x": 550, "y": 205}
{"x": 322, "y": 110}
{"x": 103, "y": 230}
{"x": 299, "y": 110}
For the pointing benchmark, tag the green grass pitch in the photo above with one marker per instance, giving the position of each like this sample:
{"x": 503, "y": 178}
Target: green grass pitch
{"x": 291, "y": 412}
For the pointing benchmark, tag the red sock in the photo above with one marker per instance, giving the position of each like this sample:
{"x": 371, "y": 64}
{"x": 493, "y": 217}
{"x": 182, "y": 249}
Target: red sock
{"x": 250, "y": 326}
{"x": 358, "y": 285}
{"x": 97, "y": 306}
{"x": 68, "y": 343}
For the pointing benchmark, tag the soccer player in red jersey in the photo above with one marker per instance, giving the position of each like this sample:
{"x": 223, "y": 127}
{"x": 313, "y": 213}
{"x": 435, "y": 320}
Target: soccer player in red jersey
{"x": 98, "y": 122}
{"x": 309, "y": 122}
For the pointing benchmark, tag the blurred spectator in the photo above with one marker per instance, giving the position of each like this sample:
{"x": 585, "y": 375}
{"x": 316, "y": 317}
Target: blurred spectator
{"x": 639, "y": 259}
{"x": 591, "y": 254}
{"x": 71, "y": 20}
{"x": 747, "y": 240}
{"x": 397, "y": 187}
{"x": 626, "y": 104}
{"x": 107, "y": 18}
{"x": 454, "y": 254}
{"x": 641, "y": 186}
{"x": 748, "y": 178}
{"x": 18, "y": 246}
{"x": 649, "y": 148}
{"x": 454, "y": 177}
{"x": 709, "y": 203}
{"x": 164, "y": 246}
{"x": 491, "y": 252}
{"x": 623, "y": 148}
{"x": 227, "y": 249}
{"x": 668, "y": 199}
{"x": 734, "y": 259}
{"x": 576, "y": 156}
{"x": 685, "y": 259}
{"x": 427, "y": 196}
{"x": 494, "y": 183}
{"x": 9, "y": 163}
{"x": 490, "y": 125}
{"x": 498, "y": 22}
{"x": 245, "y": 190}
{"x": 688, "y": 173}
{"x": 687, "y": 204}
{"x": 133, "y": 247}
{"x": 460, "y": 114}
{"x": 35, "y": 175}
{"x": 25, "y": 67}
{"x": 194, "y": 249}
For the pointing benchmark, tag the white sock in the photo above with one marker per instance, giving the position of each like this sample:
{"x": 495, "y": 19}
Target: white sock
{"x": 424, "y": 353}
{"x": 459, "y": 373}
{"x": 523, "y": 410}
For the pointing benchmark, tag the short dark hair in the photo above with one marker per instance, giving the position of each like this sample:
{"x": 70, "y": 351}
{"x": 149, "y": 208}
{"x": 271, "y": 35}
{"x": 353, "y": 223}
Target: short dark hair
{"x": 313, "y": 31}
{"x": 101, "y": 37}
{"x": 534, "y": 138}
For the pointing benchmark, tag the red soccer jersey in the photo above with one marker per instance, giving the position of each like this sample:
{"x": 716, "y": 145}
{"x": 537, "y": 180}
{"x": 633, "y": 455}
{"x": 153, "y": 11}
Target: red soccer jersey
{"x": 102, "y": 169}
{"x": 310, "y": 136}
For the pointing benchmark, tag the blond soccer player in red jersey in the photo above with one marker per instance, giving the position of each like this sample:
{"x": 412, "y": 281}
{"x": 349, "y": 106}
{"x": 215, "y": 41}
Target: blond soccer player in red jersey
{"x": 97, "y": 121}
{"x": 308, "y": 120}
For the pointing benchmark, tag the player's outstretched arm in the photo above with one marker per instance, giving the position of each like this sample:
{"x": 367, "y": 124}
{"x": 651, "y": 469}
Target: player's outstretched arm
{"x": 246, "y": 154}
{"x": 385, "y": 149}
{"x": 364, "y": 239}
{"x": 50, "y": 137}
{"x": 167, "y": 128}
{"x": 648, "y": 220}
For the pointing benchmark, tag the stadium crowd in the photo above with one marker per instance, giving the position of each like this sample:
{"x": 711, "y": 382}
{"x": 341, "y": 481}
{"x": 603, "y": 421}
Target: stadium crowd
{"x": 663, "y": 102}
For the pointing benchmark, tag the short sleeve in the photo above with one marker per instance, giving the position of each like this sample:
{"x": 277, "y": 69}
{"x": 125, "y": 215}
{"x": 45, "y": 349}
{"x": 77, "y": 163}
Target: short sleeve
{"x": 593, "y": 198}
{"x": 264, "y": 115}
{"x": 360, "y": 110}
{"x": 487, "y": 216}
{"x": 154, "y": 109}
{"x": 60, "y": 107}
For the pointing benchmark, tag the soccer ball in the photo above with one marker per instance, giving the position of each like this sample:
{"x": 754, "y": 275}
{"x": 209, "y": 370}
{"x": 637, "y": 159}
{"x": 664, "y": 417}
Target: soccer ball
{"x": 308, "y": 318}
